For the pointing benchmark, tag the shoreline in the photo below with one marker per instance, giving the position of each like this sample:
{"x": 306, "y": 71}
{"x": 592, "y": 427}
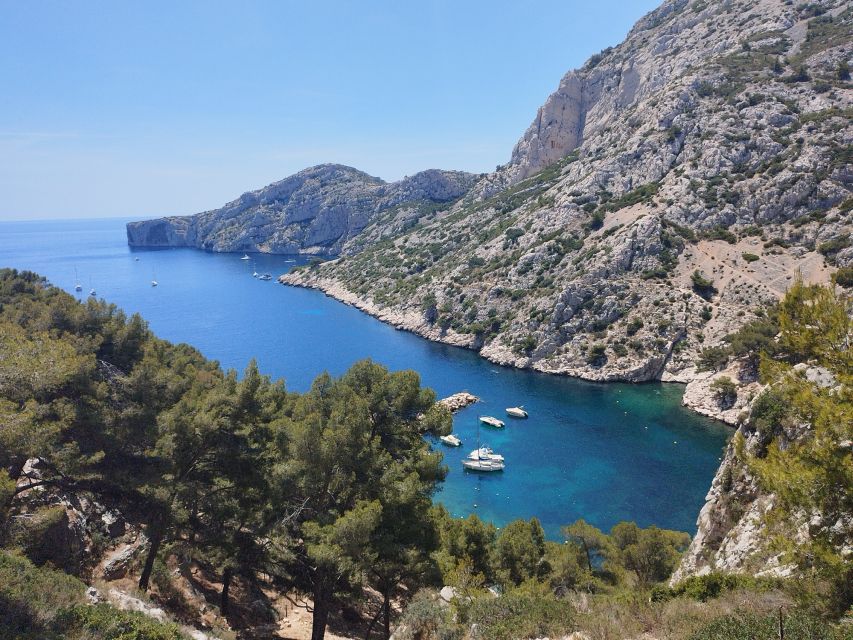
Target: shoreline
{"x": 697, "y": 395}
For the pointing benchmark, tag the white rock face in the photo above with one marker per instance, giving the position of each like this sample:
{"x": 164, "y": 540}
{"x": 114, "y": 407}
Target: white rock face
{"x": 314, "y": 211}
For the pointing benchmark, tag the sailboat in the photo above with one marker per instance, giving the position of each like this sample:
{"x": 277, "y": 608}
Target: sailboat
{"x": 92, "y": 291}
{"x": 478, "y": 460}
{"x": 154, "y": 282}
{"x": 77, "y": 286}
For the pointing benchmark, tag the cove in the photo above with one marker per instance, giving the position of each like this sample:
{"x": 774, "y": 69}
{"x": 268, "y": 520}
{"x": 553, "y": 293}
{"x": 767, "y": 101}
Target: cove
{"x": 602, "y": 452}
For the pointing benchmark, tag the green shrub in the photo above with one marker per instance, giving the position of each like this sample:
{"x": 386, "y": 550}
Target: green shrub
{"x": 713, "y": 359}
{"x": 724, "y": 390}
{"x": 844, "y": 277}
{"x": 521, "y": 614}
{"x": 795, "y": 626}
{"x": 750, "y": 257}
{"x": 702, "y": 286}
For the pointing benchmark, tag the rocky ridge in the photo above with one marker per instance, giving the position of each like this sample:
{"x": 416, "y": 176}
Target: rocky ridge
{"x": 314, "y": 211}
{"x": 669, "y": 187}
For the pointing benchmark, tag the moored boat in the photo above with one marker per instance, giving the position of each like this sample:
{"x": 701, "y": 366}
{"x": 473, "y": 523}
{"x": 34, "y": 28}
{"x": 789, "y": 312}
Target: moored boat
{"x": 245, "y": 256}
{"x": 451, "y": 440}
{"x": 485, "y": 453}
{"x": 516, "y": 412}
{"x": 483, "y": 465}
{"x": 491, "y": 421}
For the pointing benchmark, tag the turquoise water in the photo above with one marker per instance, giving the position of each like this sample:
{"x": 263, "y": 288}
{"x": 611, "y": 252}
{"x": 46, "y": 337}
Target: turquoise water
{"x": 601, "y": 452}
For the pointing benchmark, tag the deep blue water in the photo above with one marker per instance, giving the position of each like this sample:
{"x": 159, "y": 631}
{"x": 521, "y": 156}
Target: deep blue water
{"x": 603, "y": 452}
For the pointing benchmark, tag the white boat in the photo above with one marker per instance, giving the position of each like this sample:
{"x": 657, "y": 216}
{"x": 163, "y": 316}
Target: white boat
{"x": 92, "y": 292}
{"x": 483, "y": 465}
{"x": 77, "y": 285}
{"x": 136, "y": 259}
{"x": 245, "y": 256}
{"x": 266, "y": 276}
{"x": 476, "y": 461}
{"x": 485, "y": 453}
{"x": 516, "y": 412}
{"x": 451, "y": 440}
{"x": 491, "y": 421}
{"x": 154, "y": 282}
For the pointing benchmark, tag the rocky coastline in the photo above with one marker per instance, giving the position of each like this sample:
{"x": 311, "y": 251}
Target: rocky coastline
{"x": 698, "y": 395}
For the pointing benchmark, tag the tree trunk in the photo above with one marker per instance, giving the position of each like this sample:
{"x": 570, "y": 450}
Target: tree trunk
{"x": 156, "y": 532}
{"x": 386, "y": 614}
{"x": 372, "y": 623}
{"x": 321, "y": 614}
{"x": 226, "y": 585}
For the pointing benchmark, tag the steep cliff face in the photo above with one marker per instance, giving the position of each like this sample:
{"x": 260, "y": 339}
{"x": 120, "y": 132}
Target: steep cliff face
{"x": 314, "y": 211}
{"x": 732, "y": 529}
{"x": 716, "y": 139}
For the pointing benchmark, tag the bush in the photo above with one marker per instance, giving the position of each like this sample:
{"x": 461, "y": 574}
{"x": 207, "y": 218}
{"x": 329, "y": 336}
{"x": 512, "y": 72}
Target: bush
{"x": 750, "y": 257}
{"x": 596, "y": 356}
{"x": 725, "y": 391}
{"x": 713, "y": 359}
{"x": 796, "y": 626}
{"x": 703, "y": 286}
{"x": 634, "y": 326}
{"x": 426, "y": 617}
{"x": 844, "y": 277}
{"x": 521, "y": 614}
{"x": 104, "y": 621}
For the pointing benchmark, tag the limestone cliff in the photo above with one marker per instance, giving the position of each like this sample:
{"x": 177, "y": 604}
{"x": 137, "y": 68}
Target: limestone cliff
{"x": 314, "y": 211}
{"x": 668, "y": 187}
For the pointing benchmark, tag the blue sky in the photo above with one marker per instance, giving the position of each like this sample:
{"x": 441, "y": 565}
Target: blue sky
{"x": 153, "y": 108}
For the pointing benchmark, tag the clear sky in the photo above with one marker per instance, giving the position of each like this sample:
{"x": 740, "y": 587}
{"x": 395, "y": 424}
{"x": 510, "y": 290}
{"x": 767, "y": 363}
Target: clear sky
{"x": 151, "y": 108}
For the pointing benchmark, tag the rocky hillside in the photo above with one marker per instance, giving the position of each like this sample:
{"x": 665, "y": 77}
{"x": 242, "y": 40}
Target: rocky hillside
{"x": 667, "y": 188}
{"x": 315, "y": 211}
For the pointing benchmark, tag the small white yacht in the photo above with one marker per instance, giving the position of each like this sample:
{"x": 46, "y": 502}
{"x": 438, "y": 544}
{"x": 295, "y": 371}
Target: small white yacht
{"x": 77, "y": 285}
{"x": 451, "y": 440}
{"x": 154, "y": 282}
{"x": 481, "y": 464}
{"x": 266, "y": 276}
{"x": 491, "y": 421}
{"x": 245, "y": 256}
{"x": 485, "y": 453}
{"x": 92, "y": 292}
{"x": 516, "y": 412}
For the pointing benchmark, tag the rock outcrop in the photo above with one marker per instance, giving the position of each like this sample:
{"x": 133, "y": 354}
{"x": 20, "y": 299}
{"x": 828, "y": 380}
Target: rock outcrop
{"x": 731, "y": 534}
{"x": 314, "y": 211}
{"x": 714, "y": 142}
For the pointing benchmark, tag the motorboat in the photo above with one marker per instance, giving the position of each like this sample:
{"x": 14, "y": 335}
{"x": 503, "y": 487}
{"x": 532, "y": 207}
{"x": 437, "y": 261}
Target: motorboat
{"x": 516, "y": 412}
{"x": 92, "y": 292}
{"x": 451, "y": 440}
{"x": 485, "y": 453}
{"x": 491, "y": 421}
{"x": 266, "y": 276}
{"x": 245, "y": 256}
{"x": 483, "y": 465}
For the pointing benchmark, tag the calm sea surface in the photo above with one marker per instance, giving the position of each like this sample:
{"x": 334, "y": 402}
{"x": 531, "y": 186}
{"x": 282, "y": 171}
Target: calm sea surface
{"x": 601, "y": 452}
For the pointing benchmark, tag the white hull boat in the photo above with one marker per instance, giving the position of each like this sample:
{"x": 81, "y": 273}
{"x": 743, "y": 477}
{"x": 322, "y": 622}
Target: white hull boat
{"x": 266, "y": 276}
{"x": 483, "y": 465}
{"x": 491, "y": 421}
{"x": 485, "y": 453}
{"x": 245, "y": 256}
{"x": 516, "y": 412}
{"x": 451, "y": 440}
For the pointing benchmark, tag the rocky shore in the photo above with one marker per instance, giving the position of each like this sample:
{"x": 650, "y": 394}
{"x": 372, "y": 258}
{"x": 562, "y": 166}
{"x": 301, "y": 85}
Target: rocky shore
{"x": 698, "y": 394}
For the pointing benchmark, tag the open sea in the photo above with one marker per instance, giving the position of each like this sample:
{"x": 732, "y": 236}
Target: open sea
{"x": 602, "y": 452}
